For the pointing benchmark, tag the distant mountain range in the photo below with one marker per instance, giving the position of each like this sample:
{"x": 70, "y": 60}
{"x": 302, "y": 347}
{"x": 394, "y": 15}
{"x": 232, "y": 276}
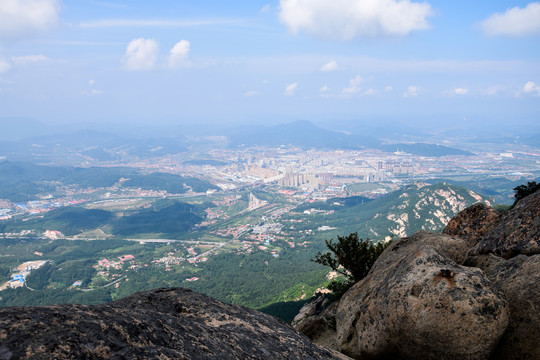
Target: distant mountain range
{"x": 28, "y": 140}
{"x": 305, "y": 134}
{"x": 423, "y": 149}
{"x": 23, "y": 181}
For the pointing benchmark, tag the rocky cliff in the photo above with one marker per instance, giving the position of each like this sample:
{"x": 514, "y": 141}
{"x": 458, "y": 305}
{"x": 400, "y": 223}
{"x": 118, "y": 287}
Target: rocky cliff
{"x": 472, "y": 292}
{"x": 158, "y": 324}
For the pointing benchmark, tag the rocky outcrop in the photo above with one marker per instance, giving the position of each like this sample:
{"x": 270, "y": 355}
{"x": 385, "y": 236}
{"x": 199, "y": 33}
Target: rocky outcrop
{"x": 317, "y": 320}
{"x": 158, "y": 324}
{"x": 418, "y": 302}
{"x": 519, "y": 279}
{"x": 517, "y": 231}
{"x": 466, "y": 296}
{"x": 473, "y": 223}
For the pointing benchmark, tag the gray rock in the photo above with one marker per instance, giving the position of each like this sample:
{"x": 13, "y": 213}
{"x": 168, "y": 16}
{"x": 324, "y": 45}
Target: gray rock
{"x": 518, "y": 231}
{"x": 158, "y": 324}
{"x": 419, "y": 303}
{"x": 315, "y": 306}
{"x": 506, "y": 234}
{"x": 473, "y": 223}
{"x": 519, "y": 279}
{"x": 320, "y": 327}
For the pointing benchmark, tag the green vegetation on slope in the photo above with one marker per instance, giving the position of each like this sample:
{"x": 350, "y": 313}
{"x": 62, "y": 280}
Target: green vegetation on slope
{"x": 23, "y": 181}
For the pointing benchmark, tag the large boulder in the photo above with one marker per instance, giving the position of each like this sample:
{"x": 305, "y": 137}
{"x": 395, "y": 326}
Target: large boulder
{"x": 506, "y": 234}
{"x": 158, "y": 324}
{"x": 518, "y": 231}
{"x": 418, "y": 302}
{"x": 473, "y": 223}
{"x": 519, "y": 279}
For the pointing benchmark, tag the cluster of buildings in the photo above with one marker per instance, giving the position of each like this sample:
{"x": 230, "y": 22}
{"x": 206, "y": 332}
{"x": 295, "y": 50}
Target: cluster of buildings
{"x": 9, "y": 209}
{"x": 110, "y": 264}
{"x": 18, "y": 278}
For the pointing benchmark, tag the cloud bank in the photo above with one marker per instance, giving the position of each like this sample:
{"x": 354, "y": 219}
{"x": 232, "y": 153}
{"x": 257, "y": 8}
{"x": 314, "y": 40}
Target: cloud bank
{"x": 349, "y": 19}
{"x": 21, "y": 18}
{"x": 514, "y": 22}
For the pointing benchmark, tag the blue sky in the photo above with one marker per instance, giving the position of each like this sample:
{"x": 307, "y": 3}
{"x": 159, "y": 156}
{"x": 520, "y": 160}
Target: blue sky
{"x": 462, "y": 62}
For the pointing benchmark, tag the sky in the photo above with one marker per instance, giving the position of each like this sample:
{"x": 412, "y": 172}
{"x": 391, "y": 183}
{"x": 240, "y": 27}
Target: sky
{"x": 260, "y": 62}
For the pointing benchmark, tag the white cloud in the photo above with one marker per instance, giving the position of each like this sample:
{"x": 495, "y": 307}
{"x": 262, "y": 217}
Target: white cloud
{"x": 4, "y": 65}
{"x": 20, "y": 18}
{"x": 179, "y": 53}
{"x": 324, "y": 89}
{"x": 370, "y": 92}
{"x": 494, "y": 90}
{"x": 531, "y": 88}
{"x": 290, "y": 90}
{"x": 265, "y": 9}
{"x": 514, "y": 22}
{"x": 354, "y": 85}
{"x": 331, "y": 66}
{"x": 23, "y": 60}
{"x": 141, "y": 54}
{"x": 412, "y": 91}
{"x": 348, "y": 19}
{"x": 252, "y": 93}
{"x": 93, "y": 91}
{"x": 388, "y": 88}
{"x": 460, "y": 91}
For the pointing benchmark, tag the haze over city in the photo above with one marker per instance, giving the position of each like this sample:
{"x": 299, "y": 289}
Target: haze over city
{"x": 433, "y": 64}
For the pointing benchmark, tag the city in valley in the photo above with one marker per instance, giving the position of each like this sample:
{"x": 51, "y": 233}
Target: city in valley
{"x": 253, "y": 213}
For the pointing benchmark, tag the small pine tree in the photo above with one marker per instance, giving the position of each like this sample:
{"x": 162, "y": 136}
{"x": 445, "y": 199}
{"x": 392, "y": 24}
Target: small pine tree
{"x": 525, "y": 190}
{"x": 350, "y": 256}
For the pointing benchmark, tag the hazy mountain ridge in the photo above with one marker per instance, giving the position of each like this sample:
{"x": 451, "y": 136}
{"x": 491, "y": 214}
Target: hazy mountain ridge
{"x": 424, "y": 149}
{"x": 303, "y": 134}
{"x": 21, "y": 181}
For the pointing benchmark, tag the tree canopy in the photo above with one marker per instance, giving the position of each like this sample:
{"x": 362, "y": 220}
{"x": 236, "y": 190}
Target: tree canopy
{"x": 525, "y": 190}
{"x": 350, "y": 256}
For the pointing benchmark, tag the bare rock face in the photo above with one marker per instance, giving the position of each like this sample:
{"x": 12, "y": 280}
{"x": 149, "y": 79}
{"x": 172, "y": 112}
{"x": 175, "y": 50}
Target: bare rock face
{"x": 317, "y": 320}
{"x": 519, "y": 279}
{"x": 518, "y": 232}
{"x": 314, "y": 307}
{"x": 418, "y": 302}
{"x": 473, "y": 223}
{"x": 158, "y": 324}
{"x": 507, "y": 234}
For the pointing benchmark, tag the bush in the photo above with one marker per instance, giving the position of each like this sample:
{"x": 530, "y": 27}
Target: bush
{"x": 525, "y": 190}
{"x": 351, "y": 257}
